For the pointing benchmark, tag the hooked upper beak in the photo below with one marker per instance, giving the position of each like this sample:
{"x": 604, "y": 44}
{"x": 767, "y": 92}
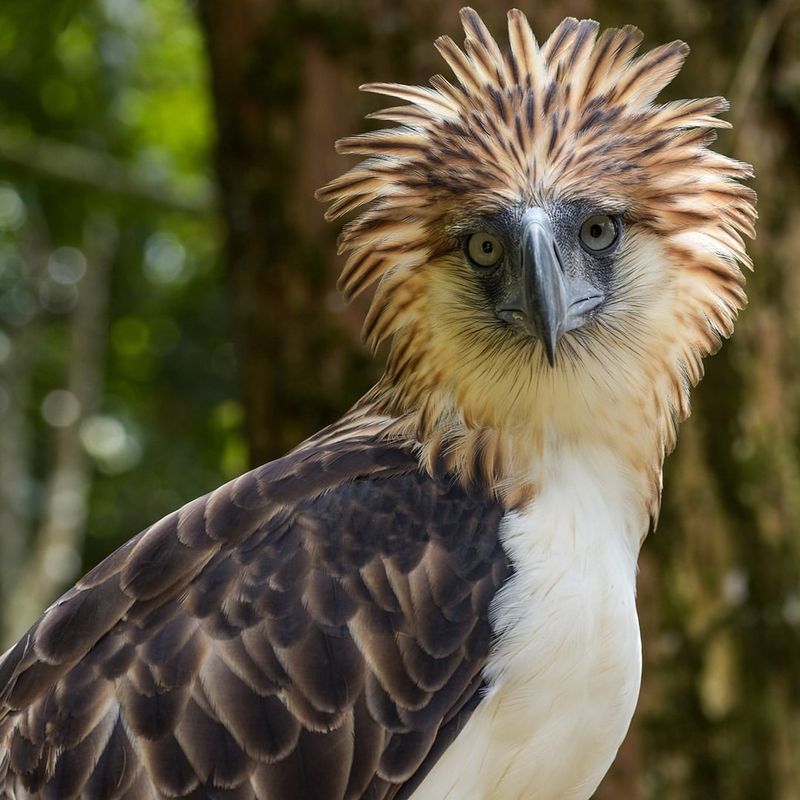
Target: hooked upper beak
{"x": 543, "y": 299}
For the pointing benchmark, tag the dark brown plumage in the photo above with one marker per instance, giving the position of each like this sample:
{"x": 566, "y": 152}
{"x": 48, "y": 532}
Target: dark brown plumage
{"x": 310, "y": 630}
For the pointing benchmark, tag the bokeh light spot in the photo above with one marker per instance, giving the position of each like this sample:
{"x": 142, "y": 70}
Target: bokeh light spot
{"x": 5, "y": 348}
{"x": 130, "y": 336}
{"x": 60, "y": 408}
{"x": 12, "y": 209}
{"x": 114, "y": 448}
{"x": 165, "y": 259}
{"x": 61, "y": 561}
{"x": 66, "y": 265}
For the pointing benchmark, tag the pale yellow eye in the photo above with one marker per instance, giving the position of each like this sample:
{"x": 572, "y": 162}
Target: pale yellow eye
{"x": 484, "y": 249}
{"x": 598, "y": 232}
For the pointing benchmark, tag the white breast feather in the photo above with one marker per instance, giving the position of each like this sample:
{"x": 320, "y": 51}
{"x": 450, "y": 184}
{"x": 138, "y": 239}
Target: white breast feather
{"x": 564, "y": 672}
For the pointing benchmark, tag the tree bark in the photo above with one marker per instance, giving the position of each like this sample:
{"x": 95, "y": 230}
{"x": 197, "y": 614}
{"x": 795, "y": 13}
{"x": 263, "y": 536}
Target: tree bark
{"x": 281, "y": 101}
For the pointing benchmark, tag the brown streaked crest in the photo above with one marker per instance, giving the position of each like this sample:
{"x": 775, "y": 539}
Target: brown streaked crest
{"x": 573, "y": 117}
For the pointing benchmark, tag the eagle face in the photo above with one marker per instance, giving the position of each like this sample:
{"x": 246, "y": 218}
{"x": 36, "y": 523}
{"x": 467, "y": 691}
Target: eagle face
{"x": 545, "y": 270}
{"x": 547, "y": 308}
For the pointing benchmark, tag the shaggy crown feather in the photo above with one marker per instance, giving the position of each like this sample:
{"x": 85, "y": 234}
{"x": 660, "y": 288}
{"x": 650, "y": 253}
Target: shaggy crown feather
{"x": 575, "y": 112}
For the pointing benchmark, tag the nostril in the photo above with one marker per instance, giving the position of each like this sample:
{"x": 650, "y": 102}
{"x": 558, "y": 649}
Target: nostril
{"x": 511, "y": 315}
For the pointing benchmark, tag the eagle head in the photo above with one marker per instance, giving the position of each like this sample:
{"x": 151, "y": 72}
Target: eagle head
{"x": 554, "y": 249}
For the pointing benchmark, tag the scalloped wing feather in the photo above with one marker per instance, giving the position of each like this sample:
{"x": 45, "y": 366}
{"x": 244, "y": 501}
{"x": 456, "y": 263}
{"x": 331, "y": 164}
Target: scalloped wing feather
{"x": 314, "y": 629}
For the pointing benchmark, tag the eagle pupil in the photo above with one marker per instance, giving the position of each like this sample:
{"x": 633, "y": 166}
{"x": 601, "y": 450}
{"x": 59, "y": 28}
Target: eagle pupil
{"x": 596, "y": 231}
{"x": 487, "y": 246}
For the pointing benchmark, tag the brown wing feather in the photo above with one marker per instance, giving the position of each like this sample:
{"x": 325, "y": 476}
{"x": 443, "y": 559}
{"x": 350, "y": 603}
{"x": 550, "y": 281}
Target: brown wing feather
{"x": 314, "y": 629}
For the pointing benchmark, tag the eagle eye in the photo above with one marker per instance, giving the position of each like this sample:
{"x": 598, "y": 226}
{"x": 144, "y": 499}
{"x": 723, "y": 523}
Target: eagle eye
{"x": 484, "y": 250}
{"x": 599, "y": 232}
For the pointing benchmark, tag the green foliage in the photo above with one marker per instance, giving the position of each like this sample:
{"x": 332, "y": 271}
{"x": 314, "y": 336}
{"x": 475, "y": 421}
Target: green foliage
{"x": 128, "y": 80}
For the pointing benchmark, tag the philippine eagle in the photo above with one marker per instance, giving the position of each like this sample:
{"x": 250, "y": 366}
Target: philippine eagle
{"x": 434, "y": 597}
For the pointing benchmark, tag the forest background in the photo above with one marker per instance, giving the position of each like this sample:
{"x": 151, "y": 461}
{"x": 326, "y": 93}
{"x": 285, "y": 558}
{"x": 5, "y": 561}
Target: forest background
{"x": 168, "y": 318}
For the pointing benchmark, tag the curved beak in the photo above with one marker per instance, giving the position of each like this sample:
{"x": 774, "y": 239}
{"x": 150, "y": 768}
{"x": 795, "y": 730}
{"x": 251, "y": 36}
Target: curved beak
{"x": 544, "y": 291}
{"x": 543, "y": 299}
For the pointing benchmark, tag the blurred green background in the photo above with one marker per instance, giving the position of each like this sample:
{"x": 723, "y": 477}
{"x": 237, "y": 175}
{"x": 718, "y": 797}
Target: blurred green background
{"x": 168, "y": 317}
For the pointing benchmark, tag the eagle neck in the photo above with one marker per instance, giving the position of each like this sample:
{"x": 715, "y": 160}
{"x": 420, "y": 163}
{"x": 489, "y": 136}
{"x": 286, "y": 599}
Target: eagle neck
{"x": 593, "y": 486}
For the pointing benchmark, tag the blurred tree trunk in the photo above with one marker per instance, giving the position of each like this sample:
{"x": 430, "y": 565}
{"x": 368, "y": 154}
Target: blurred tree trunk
{"x": 719, "y": 588}
{"x": 281, "y": 101}
{"x": 17, "y": 483}
{"x": 284, "y": 77}
{"x": 55, "y": 546}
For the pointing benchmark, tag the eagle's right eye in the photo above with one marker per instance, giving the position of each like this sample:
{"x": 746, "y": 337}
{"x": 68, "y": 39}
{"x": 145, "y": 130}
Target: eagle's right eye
{"x": 484, "y": 250}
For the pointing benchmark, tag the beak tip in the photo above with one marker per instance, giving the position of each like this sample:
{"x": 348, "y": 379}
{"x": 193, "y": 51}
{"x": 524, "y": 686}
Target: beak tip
{"x": 549, "y": 339}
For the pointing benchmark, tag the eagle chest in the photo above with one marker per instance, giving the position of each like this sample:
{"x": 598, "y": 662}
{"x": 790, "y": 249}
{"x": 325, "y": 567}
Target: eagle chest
{"x": 564, "y": 672}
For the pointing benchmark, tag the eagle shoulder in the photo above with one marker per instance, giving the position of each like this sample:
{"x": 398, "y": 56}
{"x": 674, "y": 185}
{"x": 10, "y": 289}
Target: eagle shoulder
{"x": 314, "y": 629}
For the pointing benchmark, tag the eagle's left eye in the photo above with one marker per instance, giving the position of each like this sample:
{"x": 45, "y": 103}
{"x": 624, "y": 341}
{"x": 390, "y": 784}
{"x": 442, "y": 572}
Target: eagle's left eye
{"x": 599, "y": 232}
{"x": 484, "y": 249}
